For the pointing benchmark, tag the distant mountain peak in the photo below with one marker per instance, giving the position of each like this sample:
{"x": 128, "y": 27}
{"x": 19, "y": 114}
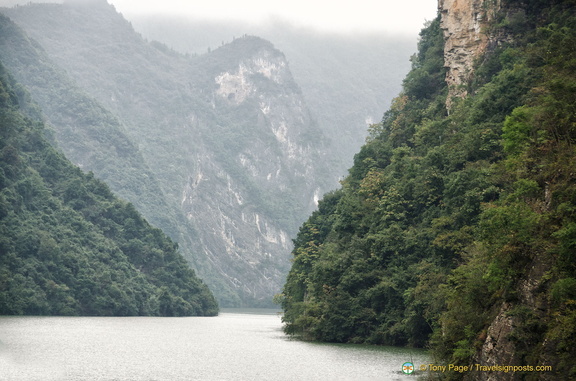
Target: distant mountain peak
{"x": 246, "y": 47}
{"x": 88, "y": 3}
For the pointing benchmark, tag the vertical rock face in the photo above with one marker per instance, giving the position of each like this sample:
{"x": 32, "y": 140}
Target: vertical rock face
{"x": 242, "y": 192}
{"x": 463, "y": 22}
{"x": 497, "y": 349}
{"x": 500, "y": 348}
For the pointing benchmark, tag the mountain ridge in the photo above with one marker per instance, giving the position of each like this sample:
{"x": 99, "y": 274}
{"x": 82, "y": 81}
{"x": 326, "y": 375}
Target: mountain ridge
{"x": 364, "y": 70}
{"x": 69, "y": 246}
{"x": 227, "y": 136}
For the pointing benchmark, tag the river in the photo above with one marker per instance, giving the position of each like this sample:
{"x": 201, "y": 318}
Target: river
{"x": 237, "y": 345}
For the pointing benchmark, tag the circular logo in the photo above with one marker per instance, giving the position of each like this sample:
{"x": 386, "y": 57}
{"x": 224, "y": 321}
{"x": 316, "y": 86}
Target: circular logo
{"x": 407, "y": 368}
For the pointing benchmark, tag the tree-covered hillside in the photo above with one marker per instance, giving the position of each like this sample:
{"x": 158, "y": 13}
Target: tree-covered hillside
{"x": 220, "y": 151}
{"x": 451, "y": 224}
{"x": 95, "y": 139}
{"x": 68, "y": 246}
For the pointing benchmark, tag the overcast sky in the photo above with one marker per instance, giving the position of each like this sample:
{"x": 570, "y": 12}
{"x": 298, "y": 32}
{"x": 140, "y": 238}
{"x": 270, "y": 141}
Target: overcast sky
{"x": 406, "y": 16}
{"x": 340, "y": 15}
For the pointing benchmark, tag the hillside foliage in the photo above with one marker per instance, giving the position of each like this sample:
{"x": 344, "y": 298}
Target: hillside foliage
{"x": 68, "y": 246}
{"x": 446, "y": 217}
{"x": 219, "y": 151}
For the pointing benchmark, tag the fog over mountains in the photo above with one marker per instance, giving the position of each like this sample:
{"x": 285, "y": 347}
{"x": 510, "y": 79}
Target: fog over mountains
{"x": 223, "y": 150}
{"x": 348, "y": 80}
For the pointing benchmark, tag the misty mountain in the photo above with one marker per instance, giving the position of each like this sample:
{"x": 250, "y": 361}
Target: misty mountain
{"x": 218, "y": 150}
{"x": 347, "y": 80}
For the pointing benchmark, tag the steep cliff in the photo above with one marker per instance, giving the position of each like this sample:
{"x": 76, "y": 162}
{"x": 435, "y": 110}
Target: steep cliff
{"x": 465, "y": 25}
{"x": 264, "y": 169}
{"x": 528, "y": 322}
{"x": 456, "y": 227}
{"x": 365, "y": 69}
{"x": 227, "y": 137}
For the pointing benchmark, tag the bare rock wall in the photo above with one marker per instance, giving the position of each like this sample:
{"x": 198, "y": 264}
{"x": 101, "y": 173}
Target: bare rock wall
{"x": 464, "y": 25}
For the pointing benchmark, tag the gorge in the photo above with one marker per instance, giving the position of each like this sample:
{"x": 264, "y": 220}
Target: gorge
{"x": 454, "y": 230}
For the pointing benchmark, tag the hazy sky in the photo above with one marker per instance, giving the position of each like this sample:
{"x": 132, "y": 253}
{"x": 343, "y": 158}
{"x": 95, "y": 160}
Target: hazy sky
{"x": 340, "y": 15}
{"x": 406, "y": 16}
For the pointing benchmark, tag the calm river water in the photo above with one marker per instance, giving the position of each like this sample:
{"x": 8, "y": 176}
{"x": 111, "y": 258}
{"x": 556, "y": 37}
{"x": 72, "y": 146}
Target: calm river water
{"x": 237, "y": 345}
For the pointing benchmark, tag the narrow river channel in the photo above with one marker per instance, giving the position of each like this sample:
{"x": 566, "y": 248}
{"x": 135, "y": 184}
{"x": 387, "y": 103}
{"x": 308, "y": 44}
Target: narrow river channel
{"x": 237, "y": 345}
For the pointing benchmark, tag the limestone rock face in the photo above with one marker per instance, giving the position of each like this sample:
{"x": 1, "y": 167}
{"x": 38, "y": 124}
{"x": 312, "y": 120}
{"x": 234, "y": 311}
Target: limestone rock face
{"x": 463, "y": 22}
{"x": 497, "y": 349}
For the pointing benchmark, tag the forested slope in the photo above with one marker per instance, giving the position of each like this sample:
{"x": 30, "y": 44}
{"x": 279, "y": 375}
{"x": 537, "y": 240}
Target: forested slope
{"x": 95, "y": 139}
{"x": 68, "y": 246}
{"x": 456, "y": 228}
{"x": 220, "y": 151}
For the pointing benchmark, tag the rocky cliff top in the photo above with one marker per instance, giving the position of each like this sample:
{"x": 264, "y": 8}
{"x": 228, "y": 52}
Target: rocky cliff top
{"x": 464, "y": 25}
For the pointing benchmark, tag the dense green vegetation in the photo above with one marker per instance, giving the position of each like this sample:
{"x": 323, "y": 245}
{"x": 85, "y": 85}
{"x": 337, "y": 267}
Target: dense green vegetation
{"x": 96, "y": 140}
{"x": 446, "y": 218}
{"x": 222, "y": 178}
{"x": 68, "y": 246}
